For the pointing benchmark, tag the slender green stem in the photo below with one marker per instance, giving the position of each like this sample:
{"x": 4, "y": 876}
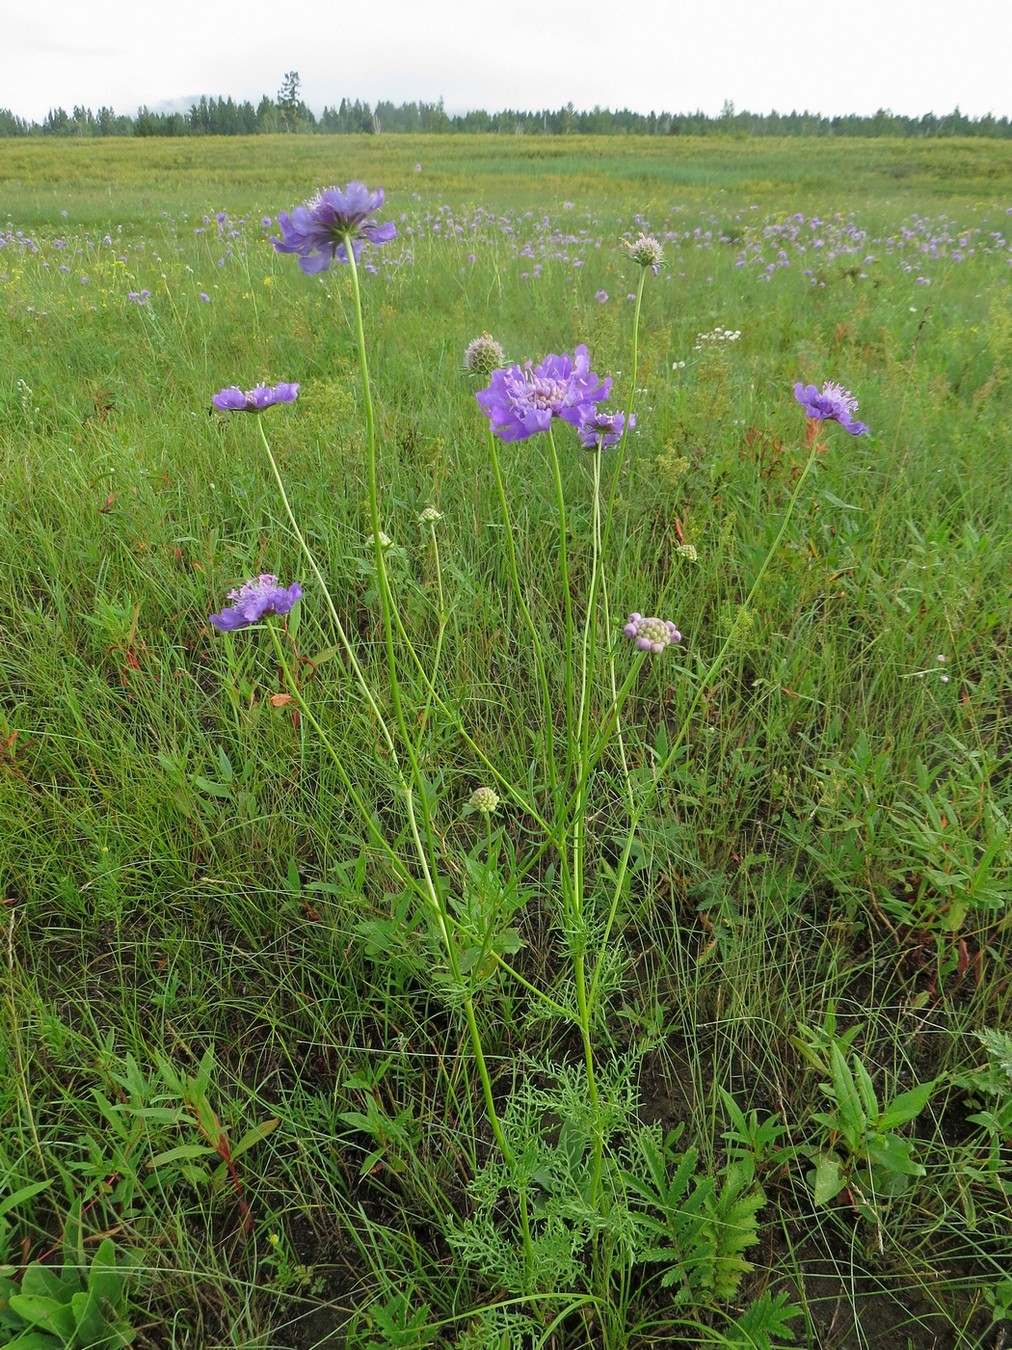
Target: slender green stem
{"x": 633, "y": 377}
{"x": 539, "y": 994}
{"x": 359, "y": 674}
{"x": 702, "y": 687}
{"x": 430, "y": 683}
{"x": 567, "y": 599}
{"x": 425, "y": 850}
{"x": 430, "y": 849}
{"x": 375, "y": 833}
{"x": 535, "y": 636}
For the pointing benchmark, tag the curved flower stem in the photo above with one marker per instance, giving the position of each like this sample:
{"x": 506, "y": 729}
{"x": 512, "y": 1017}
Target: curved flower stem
{"x": 349, "y": 651}
{"x": 701, "y": 688}
{"x": 426, "y": 851}
{"x": 387, "y": 607}
{"x": 633, "y": 376}
{"x": 518, "y": 591}
{"x": 375, "y": 832}
{"x": 560, "y": 499}
{"x": 430, "y": 683}
{"x": 609, "y": 520}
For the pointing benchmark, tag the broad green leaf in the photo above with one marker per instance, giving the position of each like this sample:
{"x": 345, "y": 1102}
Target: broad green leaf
{"x": 852, "y": 1119}
{"x": 893, "y": 1154}
{"x": 907, "y": 1106}
{"x": 182, "y": 1151}
{"x": 91, "y": 1328}
{"x": 867, "y": 1090}
{"x": 43, "y": 1281}
{"x": 254, "y": 1136}
{"x": 45, "y": 1313}
{"x": 25, "y": 1193}
{"x": 104, "y": 1279}
{"x": 827, "y": 1179}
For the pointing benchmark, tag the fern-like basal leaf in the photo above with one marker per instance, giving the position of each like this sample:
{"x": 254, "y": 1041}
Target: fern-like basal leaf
{"x": 732, "y": 1228}
{"x": 763, "y": 1325}
{"x": 999, "y": 1048}
{"x": 672, "y": 1218}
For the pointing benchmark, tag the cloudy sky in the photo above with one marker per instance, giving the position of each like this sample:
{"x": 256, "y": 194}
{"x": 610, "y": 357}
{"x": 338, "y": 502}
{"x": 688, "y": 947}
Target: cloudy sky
{"x": 913, "y": 57}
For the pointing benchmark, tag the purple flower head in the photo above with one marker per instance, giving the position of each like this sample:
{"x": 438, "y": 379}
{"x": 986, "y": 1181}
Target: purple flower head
{"x": 521, "y": 401}
{"x": 234, "y": 399}
{"x": 599, "y": 429}
{"x": 651, "y": 635}
{"x": 832, "y": 404}
{"x": 254, "y": 601}
{"x": 645, "y": 250}
{"x": 322, "y": 229}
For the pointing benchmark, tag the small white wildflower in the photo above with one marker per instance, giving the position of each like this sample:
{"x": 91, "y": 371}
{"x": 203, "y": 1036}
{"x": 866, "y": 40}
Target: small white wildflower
{"x": 385, "y": 540}
{"x": 687, "y": 551}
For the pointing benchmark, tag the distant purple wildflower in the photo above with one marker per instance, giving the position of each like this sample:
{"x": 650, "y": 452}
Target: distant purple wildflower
{"x": 601, "y": 297}
{"x": 321, "y": 229}
{"x": 521, "y": 401}
{"x": 599, "y": 429}
{"x": 234, "y": 399}
{"x": 254, "y": 601}
{"x": 651, "y": 635}
{"x": 832, "y": 404}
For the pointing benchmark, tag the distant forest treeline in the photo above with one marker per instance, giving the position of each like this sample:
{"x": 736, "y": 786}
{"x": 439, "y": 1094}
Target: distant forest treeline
{"x": 224, "y": 117}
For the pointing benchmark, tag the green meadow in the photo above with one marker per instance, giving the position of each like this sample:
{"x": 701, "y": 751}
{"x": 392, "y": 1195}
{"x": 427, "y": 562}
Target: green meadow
{"x": 429, "y": 964}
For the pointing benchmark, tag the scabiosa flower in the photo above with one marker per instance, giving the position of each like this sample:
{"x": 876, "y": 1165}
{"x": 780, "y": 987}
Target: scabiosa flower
{"x": 483, "y": 355}
{"x": 484, "y": 800}
{"x": 254, "y": 601}
{"x": 321, "y": 230}
{"x": 601, "y": 297}
{"x": 832, "y": 404}
{"x": 234, "y": 399}
{"x": 430, "y": 516}
{"x": 599, "y": 429}
{"x": 651, "y": 635}
{"x": 521, "y": 401}
{"x": 646, "y": 251}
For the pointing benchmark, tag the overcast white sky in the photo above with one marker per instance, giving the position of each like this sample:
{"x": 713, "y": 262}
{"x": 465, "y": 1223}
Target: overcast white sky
{"x": 913, "y": 56}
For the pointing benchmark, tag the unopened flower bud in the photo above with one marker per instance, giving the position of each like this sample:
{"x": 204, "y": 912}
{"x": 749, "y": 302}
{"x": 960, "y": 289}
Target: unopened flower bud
{"x": 484, "y": 800}
{"x": 484, "y": 355}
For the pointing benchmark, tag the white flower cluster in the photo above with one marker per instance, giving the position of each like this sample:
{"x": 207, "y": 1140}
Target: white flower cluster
{"x": 717, "y": 337}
